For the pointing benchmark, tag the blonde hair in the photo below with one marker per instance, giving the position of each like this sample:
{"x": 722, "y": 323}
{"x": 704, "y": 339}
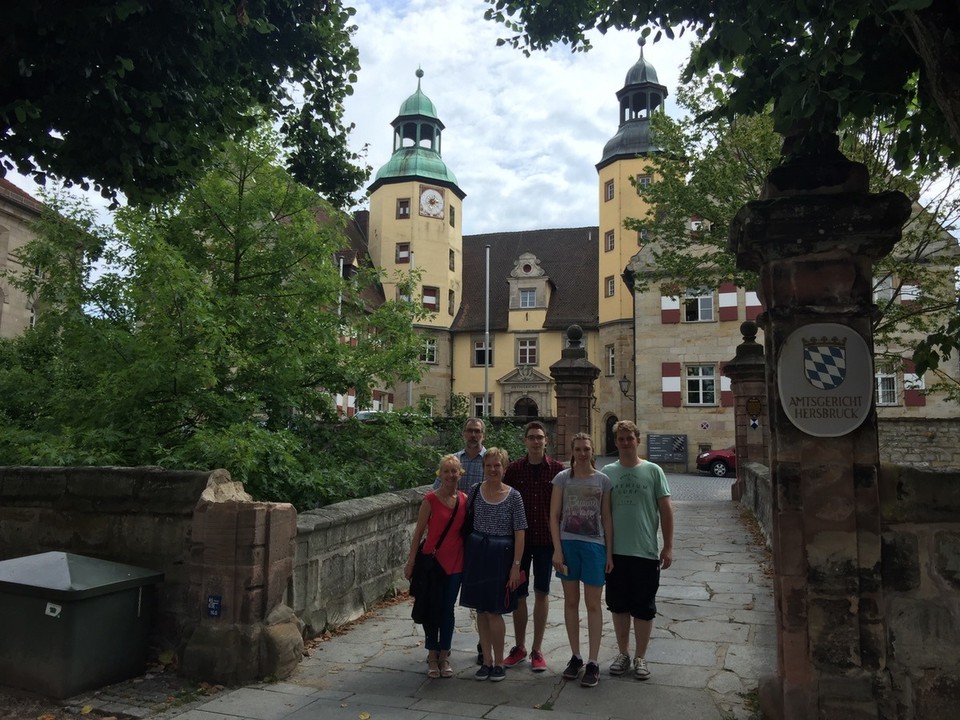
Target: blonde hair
{"x": 582, "y": 436}
{"x": 500, "y": 453}
{"x": 449, "y": 458}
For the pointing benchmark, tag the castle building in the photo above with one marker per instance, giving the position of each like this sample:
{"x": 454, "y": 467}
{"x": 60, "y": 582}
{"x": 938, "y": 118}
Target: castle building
{"x": 18, "y": 211}
{"x": 501, "y": 302}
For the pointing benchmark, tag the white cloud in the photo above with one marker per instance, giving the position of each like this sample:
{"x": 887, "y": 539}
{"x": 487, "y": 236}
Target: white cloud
{"x": 523, "y": 134}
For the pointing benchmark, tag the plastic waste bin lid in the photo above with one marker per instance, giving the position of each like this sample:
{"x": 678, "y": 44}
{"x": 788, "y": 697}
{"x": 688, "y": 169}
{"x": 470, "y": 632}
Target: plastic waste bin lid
{"x": 65, "y": 576}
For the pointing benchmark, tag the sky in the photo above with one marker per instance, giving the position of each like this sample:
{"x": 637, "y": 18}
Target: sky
{"x": 522, "y": 134}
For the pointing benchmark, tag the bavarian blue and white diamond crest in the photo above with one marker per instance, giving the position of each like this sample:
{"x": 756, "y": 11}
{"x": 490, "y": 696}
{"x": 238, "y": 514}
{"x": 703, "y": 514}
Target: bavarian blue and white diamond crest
{"x": 825, "y": 366}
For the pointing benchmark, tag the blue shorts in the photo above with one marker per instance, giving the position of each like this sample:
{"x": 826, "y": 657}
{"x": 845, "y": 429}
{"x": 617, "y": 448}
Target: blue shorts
{"x": 585, "y": 561}
{"x": 541, "y": 558}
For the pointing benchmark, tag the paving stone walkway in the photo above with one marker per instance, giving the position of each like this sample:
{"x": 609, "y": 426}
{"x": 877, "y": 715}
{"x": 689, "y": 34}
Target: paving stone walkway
{"x": 715, "y": 636}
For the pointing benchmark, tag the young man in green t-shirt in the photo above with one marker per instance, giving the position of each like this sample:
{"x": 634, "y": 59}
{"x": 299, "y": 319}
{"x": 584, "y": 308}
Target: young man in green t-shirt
{"x": 641, "y": 504}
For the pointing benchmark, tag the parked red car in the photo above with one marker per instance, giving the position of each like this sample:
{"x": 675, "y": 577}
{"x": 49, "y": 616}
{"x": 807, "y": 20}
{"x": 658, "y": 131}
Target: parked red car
{"x": 719, "y": 463}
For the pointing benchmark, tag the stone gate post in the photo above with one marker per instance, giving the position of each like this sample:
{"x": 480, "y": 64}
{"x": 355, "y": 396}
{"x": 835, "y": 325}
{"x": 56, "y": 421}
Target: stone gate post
{"x": 573, "y": 377}
{"x": 747, "y": 373}
{"x": 814, "y": 237}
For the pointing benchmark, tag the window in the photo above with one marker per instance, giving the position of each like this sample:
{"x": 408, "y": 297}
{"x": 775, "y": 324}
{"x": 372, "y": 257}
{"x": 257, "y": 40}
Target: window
{"x": 403, "y": 253}
{"x": 528, "y": 297}
{"x": 643, "y": 181}
{"x": 642, "y": 236}
{"x": 527, "y": 351}
{"x": 609, "y": 286}
{"x": 401, "y": 295}
{"x": 611, "y": 360}
{"x": 453, "y": 216}
{"x": 431, "y": 298}
{"x": 886, "y": 386}
{"x": 403, "y": 209}
{"x": 701, "y": 385}
{"x": 481, "y": 354}
{"x": 608, "y": 241}
{"x": 696, "y": 225}
{"x": 481, "y": 408}
{"x": 32, "y": 317}
{"x": 883, "y": 289}
{"x": 608, "y": 190}
{"x": 453, "y": 260}
{"x": 698, "y": 305}
{"x": 428, "y": 353}
{"x": 451, "y": 302}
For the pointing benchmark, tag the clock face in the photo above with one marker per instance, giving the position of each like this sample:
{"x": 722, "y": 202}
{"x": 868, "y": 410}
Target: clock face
{"x": 431, "y": 203}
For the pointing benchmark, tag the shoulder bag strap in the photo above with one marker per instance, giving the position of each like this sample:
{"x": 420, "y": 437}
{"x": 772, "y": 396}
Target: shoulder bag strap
{"x": 456, "y": 504}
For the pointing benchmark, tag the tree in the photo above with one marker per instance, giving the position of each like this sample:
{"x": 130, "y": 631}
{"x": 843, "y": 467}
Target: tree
{"x": 814, "y": 63}
{"x": 216, "y": 337}
{"x": 712, "y": 167}
{"x": 135, "y": 96}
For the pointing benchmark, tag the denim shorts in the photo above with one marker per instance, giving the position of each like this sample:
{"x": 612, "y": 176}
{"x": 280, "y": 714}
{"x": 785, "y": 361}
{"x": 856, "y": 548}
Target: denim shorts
{"x": 585, "y": 561}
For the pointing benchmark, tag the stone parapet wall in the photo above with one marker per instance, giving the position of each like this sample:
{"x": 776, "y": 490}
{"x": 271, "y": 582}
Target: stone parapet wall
{"x": 140, "y": 516}
{"x": 349, "y": 555}
{"x": 920, "y": 525}
{"x": 920, "y": 442}
{"x": 757, "y": 496}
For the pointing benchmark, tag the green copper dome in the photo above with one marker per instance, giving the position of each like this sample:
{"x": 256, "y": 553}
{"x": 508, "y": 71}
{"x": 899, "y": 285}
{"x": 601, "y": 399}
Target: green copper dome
{"x": 418, "y": 103}
{"x": 416, "y": 144}
{"x": 416, "y": 162}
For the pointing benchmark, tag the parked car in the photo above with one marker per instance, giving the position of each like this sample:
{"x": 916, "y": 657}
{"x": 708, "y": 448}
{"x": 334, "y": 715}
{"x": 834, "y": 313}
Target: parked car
{"x": 719, "y": 463}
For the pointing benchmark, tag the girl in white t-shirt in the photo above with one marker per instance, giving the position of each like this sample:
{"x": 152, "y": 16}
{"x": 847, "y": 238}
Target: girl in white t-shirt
{"x": 582, "y": 532}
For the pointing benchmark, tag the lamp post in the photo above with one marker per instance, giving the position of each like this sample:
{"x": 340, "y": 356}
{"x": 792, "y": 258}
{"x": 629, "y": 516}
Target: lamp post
{"x": 624, "y": 384}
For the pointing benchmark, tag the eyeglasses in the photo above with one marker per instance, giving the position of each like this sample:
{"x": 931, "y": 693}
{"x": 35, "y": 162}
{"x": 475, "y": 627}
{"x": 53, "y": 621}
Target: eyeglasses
{"x": 536, "y": 437}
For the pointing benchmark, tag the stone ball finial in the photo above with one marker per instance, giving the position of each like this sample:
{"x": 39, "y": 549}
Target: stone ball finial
{"x": 748, "y": 329}
{"x": 575, "y": 332}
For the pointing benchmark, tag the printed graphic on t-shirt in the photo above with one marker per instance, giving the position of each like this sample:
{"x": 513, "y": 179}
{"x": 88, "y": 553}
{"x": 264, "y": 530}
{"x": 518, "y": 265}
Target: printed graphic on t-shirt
{"x": 581, "y": 510}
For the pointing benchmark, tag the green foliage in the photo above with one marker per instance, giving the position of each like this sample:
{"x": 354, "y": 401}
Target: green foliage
{"x": 137, "y": 97}
{"x": 212, "y": 337}
{"x": 711, "y": 168}
{"x": 815, "y": 64}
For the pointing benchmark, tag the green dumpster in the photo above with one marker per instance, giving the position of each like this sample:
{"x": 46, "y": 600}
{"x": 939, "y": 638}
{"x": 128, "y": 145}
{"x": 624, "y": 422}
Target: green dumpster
{"x": 70, "y": 623}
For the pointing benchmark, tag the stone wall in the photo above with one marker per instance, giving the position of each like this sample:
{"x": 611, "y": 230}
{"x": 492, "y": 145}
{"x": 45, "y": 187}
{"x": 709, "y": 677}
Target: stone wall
{"x": 920, "y": 442}
{"x": 139, "y": 516}
{"x": 920, "y": 558}
{"x": 920, "y": 524}
{"x": 350, "y": 555}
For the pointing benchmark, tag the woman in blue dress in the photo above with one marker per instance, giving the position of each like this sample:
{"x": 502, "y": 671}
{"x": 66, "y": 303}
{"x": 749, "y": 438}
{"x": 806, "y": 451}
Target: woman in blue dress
{"x": 491, "y": 570}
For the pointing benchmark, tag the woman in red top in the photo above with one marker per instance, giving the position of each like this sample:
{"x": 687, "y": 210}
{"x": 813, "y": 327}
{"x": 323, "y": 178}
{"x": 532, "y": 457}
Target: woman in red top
{"x": 435, "y": 512}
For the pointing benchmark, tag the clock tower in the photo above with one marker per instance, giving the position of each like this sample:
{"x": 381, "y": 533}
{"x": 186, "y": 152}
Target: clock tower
{"x": 416, "y": 224}
{"x": 621, "y": 170}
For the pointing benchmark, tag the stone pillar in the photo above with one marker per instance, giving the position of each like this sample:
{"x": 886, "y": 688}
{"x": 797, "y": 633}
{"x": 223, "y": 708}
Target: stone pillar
{"x": 573, "y": 376}
{"x": 747, "y": 373}
{"x": 241, "y": 562}
{"x": 814, "y": 237}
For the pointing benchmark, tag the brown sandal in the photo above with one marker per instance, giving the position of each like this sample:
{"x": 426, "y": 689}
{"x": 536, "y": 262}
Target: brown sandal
{"x": 445, "y": 670}
{"x": 433, "y": 670}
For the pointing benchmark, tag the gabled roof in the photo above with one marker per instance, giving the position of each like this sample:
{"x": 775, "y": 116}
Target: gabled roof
{"x": 569, "y": 258}
{"x": 9, "y": 191}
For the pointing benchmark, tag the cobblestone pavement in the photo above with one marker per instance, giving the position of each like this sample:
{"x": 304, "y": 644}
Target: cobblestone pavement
{"x": 714, "y": 636}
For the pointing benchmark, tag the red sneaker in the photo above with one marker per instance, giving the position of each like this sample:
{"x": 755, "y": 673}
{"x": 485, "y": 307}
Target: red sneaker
{"x": 517, "y": 655}
{"x": 537, "y": 661}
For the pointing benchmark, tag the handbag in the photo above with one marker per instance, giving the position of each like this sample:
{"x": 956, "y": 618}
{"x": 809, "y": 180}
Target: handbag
{"x": 428, "y": 579}
{"x": 509, "y": 595}
{"x": 471, "y": 505}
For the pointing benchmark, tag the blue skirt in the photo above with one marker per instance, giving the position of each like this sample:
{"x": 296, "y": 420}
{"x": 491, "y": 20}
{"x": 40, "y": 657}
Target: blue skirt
{"x": 487, "y": 562}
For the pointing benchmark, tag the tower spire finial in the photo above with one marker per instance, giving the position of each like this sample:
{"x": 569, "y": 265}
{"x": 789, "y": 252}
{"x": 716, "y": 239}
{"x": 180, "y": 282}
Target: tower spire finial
{"x": 641, "y": 42}
{"x": 419, "y": 75}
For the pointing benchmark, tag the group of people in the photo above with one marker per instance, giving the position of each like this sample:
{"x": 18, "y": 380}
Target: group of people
{"x": 531, "y": 518}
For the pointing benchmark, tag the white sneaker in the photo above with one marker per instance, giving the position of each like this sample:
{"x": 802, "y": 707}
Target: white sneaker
{"x": 620, "y": 664}
{"x": 640, "y": 671}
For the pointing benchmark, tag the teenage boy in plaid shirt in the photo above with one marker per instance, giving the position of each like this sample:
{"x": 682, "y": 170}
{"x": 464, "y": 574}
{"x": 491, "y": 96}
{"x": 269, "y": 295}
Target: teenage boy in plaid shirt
{"x": 532, "y": 476}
